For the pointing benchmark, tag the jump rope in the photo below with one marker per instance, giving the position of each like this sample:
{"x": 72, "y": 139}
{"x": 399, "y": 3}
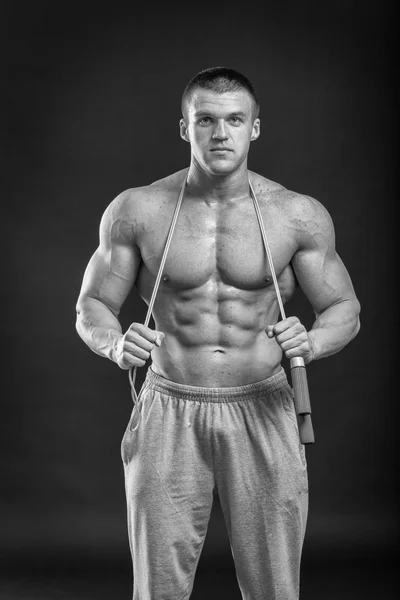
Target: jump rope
{"x": 298, "y": 373}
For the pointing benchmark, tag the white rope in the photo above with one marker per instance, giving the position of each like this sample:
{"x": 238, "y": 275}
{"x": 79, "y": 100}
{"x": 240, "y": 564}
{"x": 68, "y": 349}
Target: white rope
{"x": 132, "y": 370}
{"x": 267, "y": 250}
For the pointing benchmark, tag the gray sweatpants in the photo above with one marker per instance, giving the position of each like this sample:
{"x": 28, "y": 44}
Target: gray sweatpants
{"x": 241, "y": 443}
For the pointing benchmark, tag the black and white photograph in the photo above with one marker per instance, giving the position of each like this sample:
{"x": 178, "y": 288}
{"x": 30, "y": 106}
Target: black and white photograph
{"x": 199, "y": 322}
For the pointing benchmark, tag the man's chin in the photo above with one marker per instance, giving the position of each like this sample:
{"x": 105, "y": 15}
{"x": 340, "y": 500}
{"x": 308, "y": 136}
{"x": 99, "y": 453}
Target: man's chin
{"x": 221, "y": 167}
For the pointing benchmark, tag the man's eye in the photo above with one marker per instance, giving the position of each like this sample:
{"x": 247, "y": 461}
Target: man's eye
{"x": 205, "y": 121}
{"x": 235, "y": 120}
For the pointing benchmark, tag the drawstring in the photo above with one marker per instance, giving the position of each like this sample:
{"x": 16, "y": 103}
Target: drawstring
{"x": 132, "y": 370}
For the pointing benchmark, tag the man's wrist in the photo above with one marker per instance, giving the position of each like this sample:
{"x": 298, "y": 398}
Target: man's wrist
{"x": 313, "y": 346}
{"x": 113, "y": 338}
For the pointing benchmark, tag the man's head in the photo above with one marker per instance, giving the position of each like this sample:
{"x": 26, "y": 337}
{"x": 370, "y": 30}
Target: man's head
{"x": 219, "y": 80}
{"x": 220, "y": 118}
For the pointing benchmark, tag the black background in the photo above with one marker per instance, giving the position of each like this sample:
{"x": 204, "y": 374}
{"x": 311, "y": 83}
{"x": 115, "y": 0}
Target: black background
{"x": 94, "y": 105}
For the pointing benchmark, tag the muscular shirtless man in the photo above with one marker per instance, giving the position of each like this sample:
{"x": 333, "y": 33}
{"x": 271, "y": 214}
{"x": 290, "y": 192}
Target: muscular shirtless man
{"x": 216, "y": 410}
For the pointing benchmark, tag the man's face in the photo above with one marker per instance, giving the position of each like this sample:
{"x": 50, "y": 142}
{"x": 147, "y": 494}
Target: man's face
{"x": 219, "y": 128}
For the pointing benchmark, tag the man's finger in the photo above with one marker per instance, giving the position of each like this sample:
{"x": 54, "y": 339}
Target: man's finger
{"x": 129, "y": 361}
{"x": 138, "y": 340}
{"x": 285, "y": 324}
{"x": 145, "y": 332}
{"x": 292, "y": 333}
{"x": 159, "y": 337}
{"x": 136, "y": 350}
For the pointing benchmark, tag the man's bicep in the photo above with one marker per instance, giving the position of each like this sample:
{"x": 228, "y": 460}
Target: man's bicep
{"x": 114, "y": 266}
{"x": 322, "y": 277}
{"x": 110, "y": 275}
{"x": 319, "y": 269}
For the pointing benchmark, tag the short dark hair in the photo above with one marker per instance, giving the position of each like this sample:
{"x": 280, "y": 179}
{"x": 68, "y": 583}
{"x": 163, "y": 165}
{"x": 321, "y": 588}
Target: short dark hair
{"x": 220, "y": 80}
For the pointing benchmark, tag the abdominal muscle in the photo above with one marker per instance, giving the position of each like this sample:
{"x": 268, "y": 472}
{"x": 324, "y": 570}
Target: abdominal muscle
{"x": 216, "y": 295}
{"x": 215, "y": 336}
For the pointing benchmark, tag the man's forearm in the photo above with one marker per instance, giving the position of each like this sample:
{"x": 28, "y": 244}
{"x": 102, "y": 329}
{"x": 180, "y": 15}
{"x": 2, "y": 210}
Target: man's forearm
{"x": 334, "y": 328}
{"x": 98, "y": 327}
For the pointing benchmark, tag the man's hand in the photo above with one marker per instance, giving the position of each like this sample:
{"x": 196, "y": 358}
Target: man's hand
{"x": 134, "y": 347}
{"x": 293, "y": 338}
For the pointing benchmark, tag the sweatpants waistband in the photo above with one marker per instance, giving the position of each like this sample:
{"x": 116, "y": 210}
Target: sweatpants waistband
{"x": 222, "y": 394}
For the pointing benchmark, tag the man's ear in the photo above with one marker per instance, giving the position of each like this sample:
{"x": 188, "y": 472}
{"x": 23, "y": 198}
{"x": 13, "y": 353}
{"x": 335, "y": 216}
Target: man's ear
{"x": 184, "y": 130}
{"x": 256, "y": 130}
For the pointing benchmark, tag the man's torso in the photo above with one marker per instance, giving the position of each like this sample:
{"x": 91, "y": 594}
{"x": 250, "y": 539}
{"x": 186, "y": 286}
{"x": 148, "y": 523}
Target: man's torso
{"x": 216, "y": 296}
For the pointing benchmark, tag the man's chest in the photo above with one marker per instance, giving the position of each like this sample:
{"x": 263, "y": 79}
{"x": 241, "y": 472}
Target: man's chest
{"x": 224, "y": 245}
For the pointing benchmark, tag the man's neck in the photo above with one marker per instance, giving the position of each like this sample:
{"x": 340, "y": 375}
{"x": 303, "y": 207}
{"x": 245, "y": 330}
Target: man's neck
{"x": 218, "y": 188}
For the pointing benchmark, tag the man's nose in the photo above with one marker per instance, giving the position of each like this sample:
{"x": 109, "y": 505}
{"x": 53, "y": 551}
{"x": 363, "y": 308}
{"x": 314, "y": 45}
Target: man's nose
{"x": 219, "y": 131}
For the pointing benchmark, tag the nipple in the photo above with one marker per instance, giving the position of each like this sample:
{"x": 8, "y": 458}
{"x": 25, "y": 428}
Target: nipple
{"x": 165, "y": 278}
{"x": 267, "y": 278}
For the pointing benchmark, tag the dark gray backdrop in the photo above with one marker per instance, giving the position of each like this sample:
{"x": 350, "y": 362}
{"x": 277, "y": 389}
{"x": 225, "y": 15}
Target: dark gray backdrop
{"x": 94, "y": 108}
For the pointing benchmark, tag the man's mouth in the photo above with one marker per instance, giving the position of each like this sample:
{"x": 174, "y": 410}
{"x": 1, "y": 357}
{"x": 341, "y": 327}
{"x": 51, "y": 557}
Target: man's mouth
{"x": 220, "y": 150}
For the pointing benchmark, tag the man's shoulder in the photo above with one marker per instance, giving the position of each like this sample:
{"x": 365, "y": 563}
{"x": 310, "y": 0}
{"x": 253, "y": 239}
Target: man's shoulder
{"x": 170, "y": 184}
{"x": 167, "y": 184}
{"x": 294, "y": 205}
{"x": 306, "y": 213}
{"x": 137, "y": 202}
{"x": 264, "y": 188}
{"x": 305, "y": 216}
